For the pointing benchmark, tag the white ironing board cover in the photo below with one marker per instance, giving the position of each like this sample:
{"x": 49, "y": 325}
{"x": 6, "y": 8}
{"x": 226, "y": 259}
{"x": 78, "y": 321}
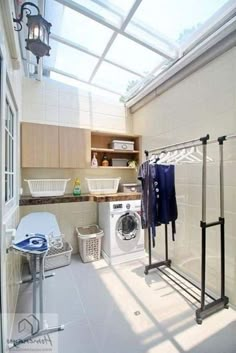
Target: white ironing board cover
{"x": 38, "y": 222}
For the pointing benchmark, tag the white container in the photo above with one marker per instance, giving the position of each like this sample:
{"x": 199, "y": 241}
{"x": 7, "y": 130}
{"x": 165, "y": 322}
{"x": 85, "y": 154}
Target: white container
{"x": 56, "y": 257}
{"x": 119, "y": 162}
{"x": 122, "y": 145}
{"x": 131, "y": 187}
{"x": 103, "y": 186}
{"x": 47, "y": 187}
{"x": 89, "y": 241}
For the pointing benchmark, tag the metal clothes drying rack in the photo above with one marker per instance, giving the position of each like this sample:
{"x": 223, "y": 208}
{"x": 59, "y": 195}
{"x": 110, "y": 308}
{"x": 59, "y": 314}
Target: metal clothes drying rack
{"x": 204, "y": 310}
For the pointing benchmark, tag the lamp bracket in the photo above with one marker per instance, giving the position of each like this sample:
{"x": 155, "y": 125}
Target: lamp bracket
{"x": 24, "y": 7}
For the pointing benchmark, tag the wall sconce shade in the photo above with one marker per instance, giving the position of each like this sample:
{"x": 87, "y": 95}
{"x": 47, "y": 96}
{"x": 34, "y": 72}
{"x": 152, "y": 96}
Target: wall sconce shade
{"x": 38, "y": 31}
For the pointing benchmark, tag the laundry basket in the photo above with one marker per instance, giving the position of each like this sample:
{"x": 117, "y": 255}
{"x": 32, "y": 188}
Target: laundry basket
{"x": 56, "y": 257}
{"x": 103, "y": 186}
{"x": 89, "y": 241}
{"x": 47, "y": 187}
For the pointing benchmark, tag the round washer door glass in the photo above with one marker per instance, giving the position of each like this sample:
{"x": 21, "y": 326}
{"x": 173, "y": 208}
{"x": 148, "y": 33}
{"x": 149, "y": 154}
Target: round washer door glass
{"x": 128, "y": 226}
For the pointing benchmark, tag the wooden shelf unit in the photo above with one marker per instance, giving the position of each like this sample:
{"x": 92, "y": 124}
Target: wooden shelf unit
{"x": 101, "y": 144}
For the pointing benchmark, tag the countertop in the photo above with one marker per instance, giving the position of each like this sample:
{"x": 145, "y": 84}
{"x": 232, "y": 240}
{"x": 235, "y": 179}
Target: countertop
{"x": 120, "y": 196}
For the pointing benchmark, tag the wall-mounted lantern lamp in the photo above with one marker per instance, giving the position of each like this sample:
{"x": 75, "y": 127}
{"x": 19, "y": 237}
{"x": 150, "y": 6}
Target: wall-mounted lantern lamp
{"x": 38, "y": 31}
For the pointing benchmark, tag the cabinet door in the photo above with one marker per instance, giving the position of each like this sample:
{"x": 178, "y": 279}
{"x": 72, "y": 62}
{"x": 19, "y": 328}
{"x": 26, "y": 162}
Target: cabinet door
{"x": 75, "y": 147}
{"x": 39, "y": 146}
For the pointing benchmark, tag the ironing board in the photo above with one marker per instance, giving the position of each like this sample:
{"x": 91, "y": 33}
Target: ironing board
{"x": 32, "y": 239}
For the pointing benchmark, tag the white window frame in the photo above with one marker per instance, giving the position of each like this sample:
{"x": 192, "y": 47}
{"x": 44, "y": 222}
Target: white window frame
{"x": 8, "y": 98}
{"x": 10, "y": 172}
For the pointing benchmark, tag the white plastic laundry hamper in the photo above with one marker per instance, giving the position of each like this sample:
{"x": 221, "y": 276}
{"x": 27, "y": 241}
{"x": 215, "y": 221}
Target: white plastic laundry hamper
{"x": 89, "y": 241}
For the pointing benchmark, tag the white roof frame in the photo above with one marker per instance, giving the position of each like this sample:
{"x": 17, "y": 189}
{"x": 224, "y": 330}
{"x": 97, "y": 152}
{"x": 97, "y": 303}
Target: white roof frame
{"x": 171, "y": 56}
{"x": 84, "y": 11}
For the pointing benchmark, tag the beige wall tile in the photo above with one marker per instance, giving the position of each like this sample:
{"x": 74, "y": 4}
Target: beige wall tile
{"x": 202, "y": 103}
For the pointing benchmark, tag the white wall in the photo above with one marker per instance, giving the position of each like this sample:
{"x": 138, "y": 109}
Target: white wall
{"x": 55, "y": 103}
{"x": 205, "y": 102}
{"x": 10, "y": 262}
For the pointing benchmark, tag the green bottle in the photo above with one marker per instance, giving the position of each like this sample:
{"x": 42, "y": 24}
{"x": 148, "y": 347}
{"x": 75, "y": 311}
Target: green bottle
{"x": 77, "y": 189}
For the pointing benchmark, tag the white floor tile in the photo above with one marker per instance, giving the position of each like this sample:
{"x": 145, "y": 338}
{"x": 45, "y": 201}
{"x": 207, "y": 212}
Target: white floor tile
{"x": 120, "y": 310}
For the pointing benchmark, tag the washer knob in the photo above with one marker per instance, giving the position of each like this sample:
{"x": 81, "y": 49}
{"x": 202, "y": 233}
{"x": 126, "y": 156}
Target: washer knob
{"x": 128, "y": 206}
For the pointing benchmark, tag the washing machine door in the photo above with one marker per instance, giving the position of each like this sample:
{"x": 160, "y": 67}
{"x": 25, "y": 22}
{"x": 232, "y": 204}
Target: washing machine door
{"x": 128, "y": 231}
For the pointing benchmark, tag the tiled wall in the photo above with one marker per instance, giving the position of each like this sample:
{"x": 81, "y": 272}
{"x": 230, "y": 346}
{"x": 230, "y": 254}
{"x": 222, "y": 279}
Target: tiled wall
{"x": 51, "y": 102}
{"x": 205, "y": 102}
{"x": 127, "y": 176}
{"x": 69, "y": 216}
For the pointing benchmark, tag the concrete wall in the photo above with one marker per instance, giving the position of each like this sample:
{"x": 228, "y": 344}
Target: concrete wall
{"x": 205, "y": 102}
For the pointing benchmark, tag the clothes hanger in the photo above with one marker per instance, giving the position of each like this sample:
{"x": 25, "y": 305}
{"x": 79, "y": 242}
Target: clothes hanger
{"x": 185, "y": 157}
{"x": 196, "y": 150}
{"x": 174, "y": 155}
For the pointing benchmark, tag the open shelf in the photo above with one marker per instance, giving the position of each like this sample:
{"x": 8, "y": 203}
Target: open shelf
{"x": 111, "y": 167}
{"x": 110, "y": 150}
{"x": 101, "y": 144}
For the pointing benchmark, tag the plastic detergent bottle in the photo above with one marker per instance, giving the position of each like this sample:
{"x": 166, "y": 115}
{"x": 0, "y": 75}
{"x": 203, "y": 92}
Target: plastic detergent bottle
{"x": 94, "y": 162}
{"x": 77, "y": 189}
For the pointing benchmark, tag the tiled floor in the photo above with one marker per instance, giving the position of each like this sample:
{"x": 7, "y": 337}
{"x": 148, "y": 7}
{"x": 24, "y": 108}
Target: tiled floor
{"x": 119, "y": 310}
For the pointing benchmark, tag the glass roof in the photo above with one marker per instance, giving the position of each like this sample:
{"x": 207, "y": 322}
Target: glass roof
{"x": 118, "y": 45}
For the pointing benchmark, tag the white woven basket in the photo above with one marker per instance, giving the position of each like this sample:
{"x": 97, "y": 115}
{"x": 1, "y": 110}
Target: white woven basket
{"x": 47, "y": 187}
{"x": 89, "y": 241}
{"x": 56, "y": 257}
{"x": 103, "y": 186}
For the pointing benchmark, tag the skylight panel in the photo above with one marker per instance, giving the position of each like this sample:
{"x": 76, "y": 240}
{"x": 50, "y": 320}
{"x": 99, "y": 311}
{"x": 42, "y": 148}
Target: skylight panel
{"x": 70, "y": 60}
{"x": 175, "y": 19}
{"x": 115, "y": 79}
{"x": 113, "y": 11}
{"x": 133, "y": 56}
{"x": 73, "y": 26}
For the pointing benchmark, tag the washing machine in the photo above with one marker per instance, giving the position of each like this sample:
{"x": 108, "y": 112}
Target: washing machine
{"x": 123, "y": 236}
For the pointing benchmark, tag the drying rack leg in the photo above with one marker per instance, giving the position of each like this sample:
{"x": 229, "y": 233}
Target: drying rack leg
{"x": 166, "y": 262}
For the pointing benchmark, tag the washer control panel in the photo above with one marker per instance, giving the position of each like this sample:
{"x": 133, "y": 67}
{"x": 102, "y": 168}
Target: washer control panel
{"x": 117, "y": 206}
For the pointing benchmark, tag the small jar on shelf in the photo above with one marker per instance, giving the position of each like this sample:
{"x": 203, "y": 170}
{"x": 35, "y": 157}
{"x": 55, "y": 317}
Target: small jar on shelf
{"x": 105, "y": 161}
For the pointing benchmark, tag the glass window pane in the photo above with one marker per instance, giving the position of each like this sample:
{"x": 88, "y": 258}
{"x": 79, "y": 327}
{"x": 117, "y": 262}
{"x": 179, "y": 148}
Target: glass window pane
{"x": 133, "y": 56}
{"x": 11, "y": 121}
{"x": 7, "y": 115}
{"x": 6, "y": 188}
{"x": 6, "y": 150}
{"x": 11, "y": 186}
{"x": 77, "y": 28}
{"x": 70, "y": 60}
{"x": 113, "y": 11}
{"x": 115, "y": 79}
{"x": 175, "y": 19}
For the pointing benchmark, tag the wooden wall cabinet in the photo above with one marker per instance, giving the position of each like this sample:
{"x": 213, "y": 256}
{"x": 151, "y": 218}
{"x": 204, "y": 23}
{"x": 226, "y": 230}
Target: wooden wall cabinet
{"x": 48, "y": 146}
{"x": 39, "y": 146}
{"x": 74, "y": 147}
